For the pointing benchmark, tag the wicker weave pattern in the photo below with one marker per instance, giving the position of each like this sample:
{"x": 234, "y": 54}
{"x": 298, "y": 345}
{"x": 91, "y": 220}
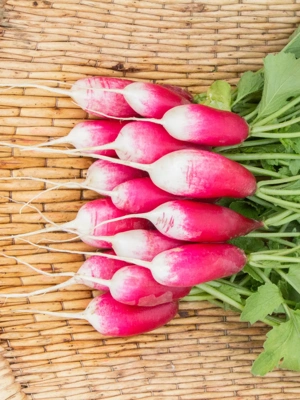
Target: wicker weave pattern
{"x": 205, "y": 353}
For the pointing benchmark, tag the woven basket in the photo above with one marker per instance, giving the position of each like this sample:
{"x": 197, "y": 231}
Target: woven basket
{"x": 204, "y": 353}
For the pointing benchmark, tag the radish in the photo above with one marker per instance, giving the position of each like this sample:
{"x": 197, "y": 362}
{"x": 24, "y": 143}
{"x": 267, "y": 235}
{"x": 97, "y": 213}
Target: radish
{"x": 199, "y": 124}
{"x": 94, "y": 267}
{"x": 132, "y": 196}
{"x": 87, "y": 223}
{"x": 138, "y": 141}
{"x": 179, "y": 90}
{"x": 90, "y": 133}
{"x": 197, "y": 173}
{"x": 140, "y": 243}
{"x": 142, "y": 142}
{"x": 112, "y": 318}
{"x": 188, "y": 264}
{"x": 195, "y": 221}
{"x": 104, "y": 175}
{"x": 132, "y": 284}
{"x": 135, "y": 286}
{"x": 118, "y": 97}
{"x": 89, "y": 93}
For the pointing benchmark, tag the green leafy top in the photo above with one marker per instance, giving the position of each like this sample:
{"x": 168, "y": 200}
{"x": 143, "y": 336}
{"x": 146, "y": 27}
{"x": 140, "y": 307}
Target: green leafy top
{"x": 282, "y": 82}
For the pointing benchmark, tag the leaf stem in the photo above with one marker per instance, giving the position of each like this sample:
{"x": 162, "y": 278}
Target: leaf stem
{"x": 278, "y": 181}
{"x": 277, "y": 113}
{"x": 266, "y": 257}
{"x": 263, "y": 156}
{"x": 265, "y": 128}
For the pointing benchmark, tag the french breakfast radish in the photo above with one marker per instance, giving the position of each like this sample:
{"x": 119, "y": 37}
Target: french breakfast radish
{"x": 87, "y": 223}
{"x": 112, "y": 318}
{"x": 195, "y": 221}
{"x": 119, "y": 98}
{"x": 88, "y": 93}
{"x": 104, "y": 175}
{"x": 197, "y": 173}
{"x": 94, "y": 267}
{"x": 139, "y": 141}
{"x": 140, "y": 243}
{"x": 132, "y": 196}
{"x": 90, "y": 133}
{"x": 133, "y": 285}
{"x": 142, "y": 142}
{"x": 200, "y": 124}
{"x": 188, "y": 264}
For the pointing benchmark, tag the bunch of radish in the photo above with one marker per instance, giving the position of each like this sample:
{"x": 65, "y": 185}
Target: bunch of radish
{"x": 159, "y": 221}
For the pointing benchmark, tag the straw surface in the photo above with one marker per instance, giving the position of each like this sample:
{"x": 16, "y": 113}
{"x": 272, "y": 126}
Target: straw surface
{"x": 204, "y": 353}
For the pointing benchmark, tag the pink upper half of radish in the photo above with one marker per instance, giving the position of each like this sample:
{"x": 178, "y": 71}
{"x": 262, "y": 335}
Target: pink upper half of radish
{"x": 205, "y": 222}
{"x": 135, "y": 285}
{"x": 87, "y": 93}
{"x": 179, "y": 90}
{"x": 139, "y": 195}
{"x": 99, "y": 267}
{"x": 142, "y": 244}
{"x": 145, "y": 142}
{"x": 96, "y": 211}
{"x": 194, "y": 264}
{"x": 105, "y": 175}
{"x": 152, "y": 100}
{"x": 202, "y": 174}
{"x": 92, "y": 133}
{"x": 113, "y": 318}
{"x": 205, "y": 125}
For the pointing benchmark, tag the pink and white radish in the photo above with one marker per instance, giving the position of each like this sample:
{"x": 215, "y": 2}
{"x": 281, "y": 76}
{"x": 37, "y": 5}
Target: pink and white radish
{"x": 102, "y": 176}
{"x": 198, "y": 174}
{"x": 87, "y": 223}
{"x": 140, "y": 243}
{"x": 112, "y": 318}
{"x": 179, "y": 90}
{"x": 118, "y": 97}
{"x": 90, "y": 133}
{"x": 89, "y": 93}
{"x": 132, "y": 196}
{"x": 142, "y": 142}
{"x": 200, "y": 124}
{"x": 132, "y": 284}
{"x": 194, "y": 221}
{"x": 139, "y": 141}
{"x": 94, "y": 267}
{"x": 189, "y": 264}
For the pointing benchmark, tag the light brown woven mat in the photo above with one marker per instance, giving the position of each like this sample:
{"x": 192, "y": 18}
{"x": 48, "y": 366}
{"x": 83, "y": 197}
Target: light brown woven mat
{"x": 205, "y": 353}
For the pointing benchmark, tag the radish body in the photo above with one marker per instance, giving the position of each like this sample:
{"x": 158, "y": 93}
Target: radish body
{"x": 205, "y": 125}
{"x": 100, "y": 268}
{"x": 198, "y": 174}
{"x": 194, "y": 264}
{"x": 179, "y": 90}
{"x": 87, "y": 224}
{"x": 135, "y": 286}
{"x": 128, "y": 284}
{"x": 194, "y": 221}
{"x": 112, "y": 318}
{"x": 142, "y": 142}
{"x": 104, "y": 175}
{"x": 137, "y": 195}
{"x": 141, "y": 243}
{"x": 91, "y": 133}
{"x": 90, "y": 216}
{"x": 152, "y": 100}
{"x": 112, "y": 96}
{"x": 189, "y": 264}
{"x": 88, "y": 93}
{"x": 94, "y": 267}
